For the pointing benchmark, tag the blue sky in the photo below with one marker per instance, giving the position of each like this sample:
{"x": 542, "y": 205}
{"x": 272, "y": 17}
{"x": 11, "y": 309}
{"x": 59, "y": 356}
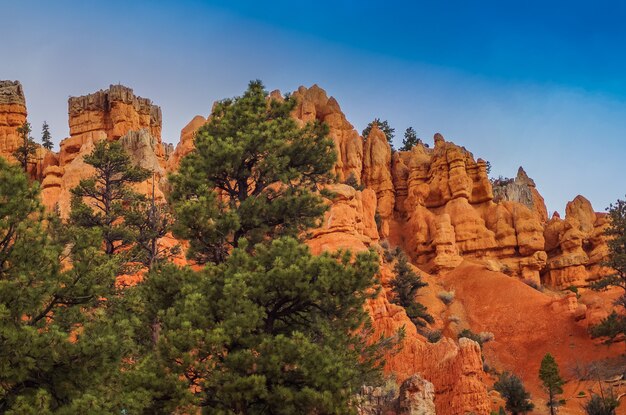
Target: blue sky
{"x": 537, "y": 84}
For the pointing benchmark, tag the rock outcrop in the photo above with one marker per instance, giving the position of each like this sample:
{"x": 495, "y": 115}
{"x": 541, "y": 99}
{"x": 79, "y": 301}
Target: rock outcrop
{"x": 447, "y": 202}
{"x": 576, "y": 246}
{"x": 113, "y": 114}
{"x": 109, "y": 114}
{"x": 12, "y": 116}
{"x": 377, "y": 175}
{"x": 314, "y": 104}
{"x": 521, "y": 190}
{"x": 186, "y": 144}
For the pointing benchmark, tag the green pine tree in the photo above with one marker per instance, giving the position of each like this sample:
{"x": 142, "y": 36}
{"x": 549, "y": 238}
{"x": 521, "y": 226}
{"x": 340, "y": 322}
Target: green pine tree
{"x": 101, "y": 201}
{"x": 383, "y": 126}
{"x": 27, "y": 149}
{"x": 410, "y": 140}
{"x": 405, "y": 286}
{"x": 277, "y": 331}
{"x": 254, "y": 174}
{"x": 150, "y": 221}
{"x": 512, "y": 390}
{"x": 615, "y": 323}
{"x": 552, "y": 382}
{"x": 59, "y": 347}
{"x": 46, "y": 137}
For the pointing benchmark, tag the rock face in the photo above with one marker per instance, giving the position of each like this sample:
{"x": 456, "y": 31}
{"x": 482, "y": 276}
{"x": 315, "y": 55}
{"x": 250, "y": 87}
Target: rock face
{"x": 377, "y": 175}
{"x": 447, "y": 202}
{"x": 521, "y": 190}
{"x": 12, "y": 116}
{"x": 109, "y": 114}
{"x": 576, "y": 246}
{"x": 454, "y": 369}
{"x": 113, "y": 114}
{"x": 185, "y": 145}
{"x": 314, "y": 104}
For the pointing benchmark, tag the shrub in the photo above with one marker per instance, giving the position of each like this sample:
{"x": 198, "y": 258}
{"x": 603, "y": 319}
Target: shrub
{"x": 601, "y": 405}
{"x": 446, "y": 296}
{"x": 480, "y": 338}
{"x": 434, "y": 336}
{"x": 353, "y": 182}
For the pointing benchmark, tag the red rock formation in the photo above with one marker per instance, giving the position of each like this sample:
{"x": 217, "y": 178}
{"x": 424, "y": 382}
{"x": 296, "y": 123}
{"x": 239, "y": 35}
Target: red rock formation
{"x": 450, "y": 213}
{"x": 12, "y": 116}
{"x": 185, "y": 145}
{"x": 109, "y": 114}
{"x": 576, "y": 246}
{"x": 314, "y": 104}
{"x": 113, "y": 114}
{"x": 377, "y": 175}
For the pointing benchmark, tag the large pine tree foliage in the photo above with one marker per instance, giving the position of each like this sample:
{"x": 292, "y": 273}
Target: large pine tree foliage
{"x": 254, "y": 174}
{"x": 277, "y": 331}
{"x": 58, "y": 345}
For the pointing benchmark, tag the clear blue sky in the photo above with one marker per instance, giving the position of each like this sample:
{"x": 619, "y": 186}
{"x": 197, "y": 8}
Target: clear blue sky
{"x": 533, "y": 83}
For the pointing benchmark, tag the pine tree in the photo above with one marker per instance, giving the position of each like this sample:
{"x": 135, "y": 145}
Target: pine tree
{"x": 46, "y": 137}
{"x": 254, "y": 174}
{"x": 277, "y": 331}
{"x": 410, "y": 140}
{"x": 383, "y": 126}
{"x": 150, "y": 221}
{"x": 405, "y": 286}
{"x": 615, "y": 323}
{"x": 27, "y": 149}
{"x": 552, "y": 382}
{"x": 512, "y": 390}
{"x": 102, "y": 200}
{"x": 59, "y": 348}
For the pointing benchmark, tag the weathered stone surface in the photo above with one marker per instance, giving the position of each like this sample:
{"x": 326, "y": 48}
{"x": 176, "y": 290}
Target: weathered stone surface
{"x": 12, "y": 116}
{"x": 110, "y": 114}
{"x": 576, "y": 246}
{"x": 314, "y": 104}
{"x": 377, "y": 175}
{"x": 185, "y": 145}
{"x": 522, "y": 190}
{"x": 349, "y": 223}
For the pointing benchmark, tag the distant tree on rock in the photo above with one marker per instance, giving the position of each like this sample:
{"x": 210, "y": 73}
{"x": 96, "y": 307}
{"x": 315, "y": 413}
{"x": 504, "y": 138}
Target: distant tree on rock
{"x": 27, "y": 149}
{"x": 383, "y": 126}
{"x": 552, "y": 382}
{"x": 405, "y": 286}
{"x": 512, "y": 390}
{"x": 102, "y": 200}
{"x": 410, "y": 139}
{"x": 615, "y": 324}
{"x": 46, "y": 137}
